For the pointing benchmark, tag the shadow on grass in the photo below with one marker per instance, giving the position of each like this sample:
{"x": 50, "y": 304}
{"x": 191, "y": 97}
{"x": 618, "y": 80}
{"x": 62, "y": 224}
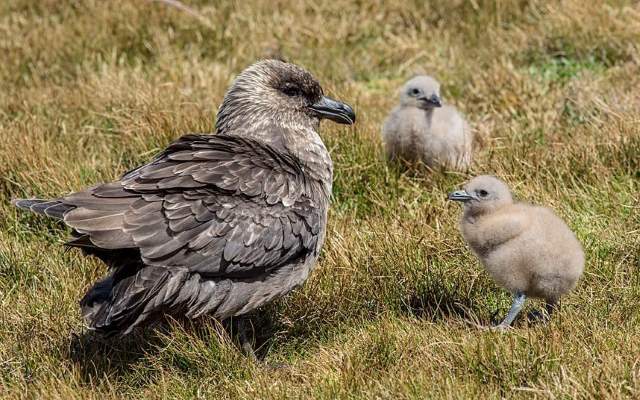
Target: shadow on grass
{"x": 205, "y": 344}
{"x": 437, "y": 306}
{"x": 99, "y": 357}
{"x": 182, "y": 344}
{"x": 435, "y": 302}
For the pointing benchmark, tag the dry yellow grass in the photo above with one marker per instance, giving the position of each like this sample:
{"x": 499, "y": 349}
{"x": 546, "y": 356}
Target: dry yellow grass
{"x": 89, "y": 89}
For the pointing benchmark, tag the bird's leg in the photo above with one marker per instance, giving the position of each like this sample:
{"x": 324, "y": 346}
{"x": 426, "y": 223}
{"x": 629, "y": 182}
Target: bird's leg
{"x": 544, "y": 317}
{"x": 517, "y": 304}
{"x": 244, "y": 335}
{"x": 551, "y": 306}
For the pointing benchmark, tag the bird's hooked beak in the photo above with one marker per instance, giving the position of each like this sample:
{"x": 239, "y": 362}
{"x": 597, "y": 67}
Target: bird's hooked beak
{"x": 334, "y": 110}
{"x": 460, "y": 195}
{"x": 433, "y": 101}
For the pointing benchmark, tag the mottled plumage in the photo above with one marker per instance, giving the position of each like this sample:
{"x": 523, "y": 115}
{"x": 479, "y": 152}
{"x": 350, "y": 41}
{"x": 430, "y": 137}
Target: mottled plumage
{"x": 527, "y": 249}
{"x": 218, "y": 224}
{"x": 422, "y": 129}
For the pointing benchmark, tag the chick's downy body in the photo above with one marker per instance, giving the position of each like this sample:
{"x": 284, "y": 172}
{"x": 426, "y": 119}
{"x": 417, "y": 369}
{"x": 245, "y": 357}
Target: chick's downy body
{"x": 422, "y": 129}
{"x": 527, "y": 249}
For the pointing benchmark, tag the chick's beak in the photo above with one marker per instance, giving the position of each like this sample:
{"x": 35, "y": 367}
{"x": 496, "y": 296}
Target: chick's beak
{"x": 434, "y": 100}
{"x": 460, "y": 195}
{"x": 334, "y": 110}
{"x": 431, "y": 101}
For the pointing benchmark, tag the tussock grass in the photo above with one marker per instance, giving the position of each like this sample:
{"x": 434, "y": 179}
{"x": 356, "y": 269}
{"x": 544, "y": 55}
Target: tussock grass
{"x": 89, "y": 89}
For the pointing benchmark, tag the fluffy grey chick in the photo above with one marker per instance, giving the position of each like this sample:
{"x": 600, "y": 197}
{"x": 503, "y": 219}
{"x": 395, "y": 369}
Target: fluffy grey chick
{"x": 421, "y": 128}
{"x": 216, "y": 225}
{"x": 527, "y": 249}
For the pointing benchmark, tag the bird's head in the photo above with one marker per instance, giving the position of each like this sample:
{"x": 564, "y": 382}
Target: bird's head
{"x": 280, "y": 93}
{"x": 421, "y": 91}
{"x": 483, "y": 194}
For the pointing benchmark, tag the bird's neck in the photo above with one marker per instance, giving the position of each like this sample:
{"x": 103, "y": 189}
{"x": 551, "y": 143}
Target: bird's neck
{"x": 301, "y": 140}
{"x": 473, "y": 215}
{"x": 428, "y": 113}
{"x": 313, "y": 156}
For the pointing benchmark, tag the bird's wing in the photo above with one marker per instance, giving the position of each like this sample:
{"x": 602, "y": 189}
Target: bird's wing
{"x": 504, "y": 225}
{"x": 218, "y": 205}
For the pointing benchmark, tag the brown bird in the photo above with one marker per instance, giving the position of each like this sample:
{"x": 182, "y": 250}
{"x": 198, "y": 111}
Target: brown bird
{"x": 527, "y": 249}
{"x": 422, "y": 129}
{"x": 217, "y": 225}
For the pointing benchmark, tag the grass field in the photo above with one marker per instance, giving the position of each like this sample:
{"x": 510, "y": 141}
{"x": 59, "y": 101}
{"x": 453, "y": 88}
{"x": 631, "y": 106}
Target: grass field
{"x": 89, "y": 89}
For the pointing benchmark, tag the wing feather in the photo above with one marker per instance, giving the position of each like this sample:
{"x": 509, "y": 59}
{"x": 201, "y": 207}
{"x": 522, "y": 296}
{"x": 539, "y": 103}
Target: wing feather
{"x": 208, "y": 207}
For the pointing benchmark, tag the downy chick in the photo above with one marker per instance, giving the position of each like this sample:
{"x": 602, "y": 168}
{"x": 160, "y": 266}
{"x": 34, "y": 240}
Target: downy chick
{"x": 422, "y": 129}
{"x": 527, "y": 249}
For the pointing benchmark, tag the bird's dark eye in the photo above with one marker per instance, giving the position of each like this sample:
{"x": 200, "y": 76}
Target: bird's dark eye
{"x": 483, "y": 193}
{"x": 292, "y": 91}
{"x": 414, "y": 92}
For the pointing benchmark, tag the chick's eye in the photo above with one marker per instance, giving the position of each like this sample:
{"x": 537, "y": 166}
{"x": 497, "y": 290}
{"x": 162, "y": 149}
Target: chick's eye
{"x": 414, "y": 92}
{"x": 483, "y": 193}
{"x": 292, "y": 91}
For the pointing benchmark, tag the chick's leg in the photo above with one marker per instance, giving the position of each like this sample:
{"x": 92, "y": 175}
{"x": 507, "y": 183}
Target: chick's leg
{"x": 544, "y": 317}
{"x": 517, "y": 304}
{"x": 551, "y": 306}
